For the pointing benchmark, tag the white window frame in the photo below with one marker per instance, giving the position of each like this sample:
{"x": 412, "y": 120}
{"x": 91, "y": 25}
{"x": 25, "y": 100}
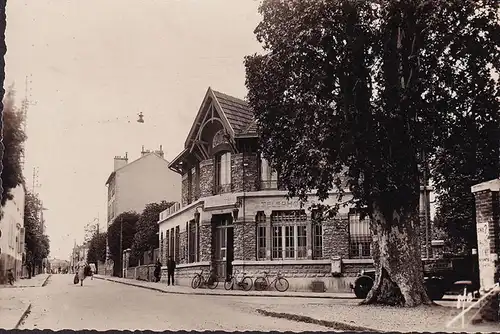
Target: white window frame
{"x": 268, "y": 176}
{"x": 359, "y": 231}
{"x": 283, "y": 226}
{"x": 225, "y": 169}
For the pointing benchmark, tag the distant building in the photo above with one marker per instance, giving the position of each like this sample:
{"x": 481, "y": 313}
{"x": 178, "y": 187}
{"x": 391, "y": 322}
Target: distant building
{"x": 12, "y": 235}
{"x": 234, "y": 214}
{"x": 146, "y": 180}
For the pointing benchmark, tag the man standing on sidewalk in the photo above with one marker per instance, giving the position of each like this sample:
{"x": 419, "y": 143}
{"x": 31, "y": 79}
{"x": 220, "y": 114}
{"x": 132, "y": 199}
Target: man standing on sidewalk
{"x": 170, "y": 270}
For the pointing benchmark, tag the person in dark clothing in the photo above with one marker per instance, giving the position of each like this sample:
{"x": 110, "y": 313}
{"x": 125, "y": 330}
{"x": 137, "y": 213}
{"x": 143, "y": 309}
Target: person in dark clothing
{"x": 170, "y": 270}
{"x": 158, "y": 270}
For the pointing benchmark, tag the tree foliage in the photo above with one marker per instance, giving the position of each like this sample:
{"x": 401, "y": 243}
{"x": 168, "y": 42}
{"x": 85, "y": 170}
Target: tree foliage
{"x": 97, "y": 248}
{"x": 146, "y": 237}
{"x": 13, "y": 146}
{"x": 126, "y": 223}
{"x": 353, "y": 93}
{"x": 37, "y": 243}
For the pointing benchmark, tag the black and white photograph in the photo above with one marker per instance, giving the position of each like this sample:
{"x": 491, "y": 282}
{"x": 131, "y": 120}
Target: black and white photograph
{"x": 250, "y": 165}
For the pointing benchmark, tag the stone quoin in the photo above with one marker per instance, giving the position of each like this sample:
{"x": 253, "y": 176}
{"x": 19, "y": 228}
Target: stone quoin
{"x": 234, "y": 215}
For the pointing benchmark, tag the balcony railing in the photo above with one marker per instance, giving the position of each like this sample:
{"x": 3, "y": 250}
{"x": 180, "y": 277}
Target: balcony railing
{"x": 269, "y": 184}
{"x": 171, "y": 210}
{"x": 222, "y": 189}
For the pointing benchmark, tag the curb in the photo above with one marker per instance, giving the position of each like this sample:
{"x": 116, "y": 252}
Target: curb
{"x": 46, "y": 280}
{"x": 23, "y": 316}
{"x": 214, "y": 294}
{"x": 330, "y": 324}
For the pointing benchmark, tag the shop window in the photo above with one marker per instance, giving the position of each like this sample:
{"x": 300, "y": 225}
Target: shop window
{"x": 289, "y": 228}
{"x": 268, "y": 176}
{"x": 360, "y": 238}
{"x": 261, "y": 236}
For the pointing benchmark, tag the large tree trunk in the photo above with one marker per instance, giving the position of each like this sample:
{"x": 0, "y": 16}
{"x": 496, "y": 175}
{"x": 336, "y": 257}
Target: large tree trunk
{"x": 398, "y": 265}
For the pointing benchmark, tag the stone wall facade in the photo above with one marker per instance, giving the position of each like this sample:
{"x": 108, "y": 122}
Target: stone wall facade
{"x": 206, "y": 178}
{"x": 245, "y": 172}
{"x": 185, "y": 190}
{"x": 245, "y": 241}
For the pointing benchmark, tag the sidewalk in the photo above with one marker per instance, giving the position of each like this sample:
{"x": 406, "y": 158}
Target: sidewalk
{"x": 377, "y": 318}
{"x": 185, "y": 290}
{"x": 34, "y": 282}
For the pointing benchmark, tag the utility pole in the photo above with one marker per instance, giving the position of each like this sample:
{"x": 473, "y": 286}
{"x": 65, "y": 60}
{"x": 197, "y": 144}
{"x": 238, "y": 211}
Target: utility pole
{"x": 24, "y": 112}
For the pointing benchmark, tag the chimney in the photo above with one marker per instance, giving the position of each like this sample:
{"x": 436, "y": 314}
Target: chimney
{"x": 120, "y": 161}
{"x": 160, "y": 152}
{"x": 144, "y": 152}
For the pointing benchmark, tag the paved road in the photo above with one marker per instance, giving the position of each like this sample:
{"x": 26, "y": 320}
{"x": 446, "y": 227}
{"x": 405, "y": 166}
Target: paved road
{"x": 102, "y": 305}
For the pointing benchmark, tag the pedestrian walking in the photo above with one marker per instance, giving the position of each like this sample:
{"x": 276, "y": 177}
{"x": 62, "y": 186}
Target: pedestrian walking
{"x": 80, "y": 266}
{"x": 170, "y": 270}
{"x": 158, "y": 270}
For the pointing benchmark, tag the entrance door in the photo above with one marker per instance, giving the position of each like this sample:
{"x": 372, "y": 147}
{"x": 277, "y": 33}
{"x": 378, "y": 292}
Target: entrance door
{"x": 223, "y": 245}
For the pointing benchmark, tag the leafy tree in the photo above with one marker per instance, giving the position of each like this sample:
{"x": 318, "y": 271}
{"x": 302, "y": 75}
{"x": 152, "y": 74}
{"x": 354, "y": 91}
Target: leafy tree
{"x": 12, "y": 149}
{"x": 126, "y": 222}
{"x": 90, "y": 230}
{"x": 97, "y": 248}
{"x": 37, "y": 244}
{"x": 146, "y": 237}
{"x": 357, "y": 94}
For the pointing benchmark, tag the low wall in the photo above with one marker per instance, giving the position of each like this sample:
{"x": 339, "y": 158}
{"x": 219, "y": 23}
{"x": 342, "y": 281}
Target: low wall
{"x": 142, "y": 273}
{"x": 184, "y": 273}
{"x": 300, "y": 274}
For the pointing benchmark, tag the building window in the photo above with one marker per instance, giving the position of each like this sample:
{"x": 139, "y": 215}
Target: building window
{"x": 360, "y": 238}
{"x": 277, "y": 252}
{"x": 172, "y": 243}
{"x": 289, "y": 242}
{"x": 261, "y": 235}
{"x": 190, "y": 187}
{"x": 317, "y": 230}
{"x": 161, "y": 246}
{"x": 177, "y": 243}
{"x": 167, "y": 244}
{"x": 289, "y": 228}
{"x": 222, "y": 172}
{"x": 301, "y": 241}
{"x": 192, "y": 242}
{"x": 268, "y": 176}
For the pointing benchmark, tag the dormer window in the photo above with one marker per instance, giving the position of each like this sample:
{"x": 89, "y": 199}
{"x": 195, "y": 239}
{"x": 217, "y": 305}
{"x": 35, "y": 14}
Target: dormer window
{"x": 268, "y": 176}
{"x": 223, "y": 172}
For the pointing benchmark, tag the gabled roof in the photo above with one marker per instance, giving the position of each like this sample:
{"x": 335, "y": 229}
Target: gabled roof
{"x": 112, "y": 175}
{"x": 235, "y": 113}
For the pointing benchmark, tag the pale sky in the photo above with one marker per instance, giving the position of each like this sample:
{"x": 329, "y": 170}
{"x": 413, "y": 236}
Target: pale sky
{"x": 94, "y": 61}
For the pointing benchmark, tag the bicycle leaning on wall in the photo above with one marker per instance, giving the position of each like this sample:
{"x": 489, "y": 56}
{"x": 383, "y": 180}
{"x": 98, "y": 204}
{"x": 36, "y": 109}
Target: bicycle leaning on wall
{"x": 280, "y": 283}
{"x": 212, "y": 281}
{"x": 245, "y": 283}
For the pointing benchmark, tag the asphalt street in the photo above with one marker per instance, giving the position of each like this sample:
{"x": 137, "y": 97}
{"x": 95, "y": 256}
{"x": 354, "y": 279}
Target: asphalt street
{"x": 102, "y": 305}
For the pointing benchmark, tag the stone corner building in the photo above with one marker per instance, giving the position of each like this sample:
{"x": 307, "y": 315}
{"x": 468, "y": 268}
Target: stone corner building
{"x": 234, "y": 216}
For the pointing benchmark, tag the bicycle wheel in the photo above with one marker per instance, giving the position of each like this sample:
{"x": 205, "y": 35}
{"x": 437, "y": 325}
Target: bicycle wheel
{"x": 281, "y": 284}
{"x": 246, "y": 283}
{"x": 260, "y": 284}
{"x": 213, "y": 282}
{"x": 228, "y": 285}
{"x": 196, "y": 282}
